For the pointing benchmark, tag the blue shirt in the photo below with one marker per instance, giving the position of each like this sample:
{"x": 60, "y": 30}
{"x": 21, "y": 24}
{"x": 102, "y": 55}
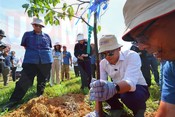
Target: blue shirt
{"x": 7, "y": 61}
{"x": 66, "y": 58}
{"x": 15, "y": 61}
{"x": 168, "y": 88}
{"x": 93, "y": 59}
{"x": 38, "y": 48}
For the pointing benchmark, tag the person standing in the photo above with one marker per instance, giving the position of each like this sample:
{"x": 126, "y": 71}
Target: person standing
{"x": 93, "y": 61}
{"x": 56, "y": 65}
{"x": 2, "y": 59}
{"x": 14, "y": 63}
{"x": 151, "y": 24}
{"x": 6, "y": 67}
{"x": 76, "y": 68}
{"x": 37, "y": 62}
{"x": 84, "y": 61}
{"x": 66, "y": 61}
{"x": 154, "y": 67}
{"x": 145, "y": 68}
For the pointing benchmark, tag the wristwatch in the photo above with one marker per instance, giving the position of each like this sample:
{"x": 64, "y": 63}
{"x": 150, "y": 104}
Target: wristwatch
{"x": 117, "y": 88}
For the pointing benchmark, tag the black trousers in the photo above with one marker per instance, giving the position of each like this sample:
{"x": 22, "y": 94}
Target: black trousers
{"x": 85, "y": 71}
{"x": 28, "y": 74}
{"x": 13, "y": 73}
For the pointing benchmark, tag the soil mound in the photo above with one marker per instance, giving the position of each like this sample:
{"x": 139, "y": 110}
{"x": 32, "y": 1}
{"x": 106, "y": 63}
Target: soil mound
{"x": 70, "y": 105}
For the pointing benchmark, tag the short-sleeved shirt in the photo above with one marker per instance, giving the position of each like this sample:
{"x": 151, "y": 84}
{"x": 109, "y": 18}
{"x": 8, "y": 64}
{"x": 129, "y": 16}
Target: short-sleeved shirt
{"x": 7, "y": 61}
{"x": 66, "y": 58}
{"x": 38, "y": 48}
{"x": 168, "y": 88}
{"x": 126, "y": 69}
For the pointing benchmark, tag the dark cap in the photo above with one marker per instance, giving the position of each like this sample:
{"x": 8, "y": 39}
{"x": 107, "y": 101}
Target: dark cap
{"x": 2, "y": 33}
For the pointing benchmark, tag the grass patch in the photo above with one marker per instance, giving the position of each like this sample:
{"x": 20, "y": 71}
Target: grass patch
{"x": 70, "y": 86}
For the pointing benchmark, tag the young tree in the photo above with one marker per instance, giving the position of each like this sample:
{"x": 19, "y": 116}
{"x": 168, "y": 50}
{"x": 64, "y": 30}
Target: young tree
{"x": 56, "y": 10}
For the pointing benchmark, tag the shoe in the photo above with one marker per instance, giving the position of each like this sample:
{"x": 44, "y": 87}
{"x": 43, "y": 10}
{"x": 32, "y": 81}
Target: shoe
{"x": 9, "y": 105}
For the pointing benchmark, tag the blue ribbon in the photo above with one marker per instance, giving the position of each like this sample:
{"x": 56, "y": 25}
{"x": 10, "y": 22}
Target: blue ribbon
{"x": 95, "y": 7}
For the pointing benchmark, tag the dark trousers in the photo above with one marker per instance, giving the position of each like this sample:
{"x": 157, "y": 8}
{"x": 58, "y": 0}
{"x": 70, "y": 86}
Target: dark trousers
{"x": 154, "y": 68}
{"x": 133, "y": 100}
{"x": 27, "y": 77}
{"x": 85, "y": 71}
{"x": 76, "y": 71}
{"x": 13, "y": 73}
{"x": 93, "y": 69}
{"x": 145, "y": 68}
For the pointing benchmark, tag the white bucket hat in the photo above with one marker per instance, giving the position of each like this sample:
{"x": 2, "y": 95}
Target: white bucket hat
{"x": 138, "y": 12}
{"x": 37, "y": 21}
{"x": 80, "y": 37}
{"x": 57, "y": 43}
{"x": 108, "y": 42}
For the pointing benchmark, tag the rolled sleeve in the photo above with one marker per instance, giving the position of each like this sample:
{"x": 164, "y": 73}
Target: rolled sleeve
{"x": 133, "y": 72}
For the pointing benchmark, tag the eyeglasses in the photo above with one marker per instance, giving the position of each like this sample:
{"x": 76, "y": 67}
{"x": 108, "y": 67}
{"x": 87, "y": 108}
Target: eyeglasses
{"x": 36, "y": 25}
{"x": 141, "y": 37}
{"x": 109, "y": 53}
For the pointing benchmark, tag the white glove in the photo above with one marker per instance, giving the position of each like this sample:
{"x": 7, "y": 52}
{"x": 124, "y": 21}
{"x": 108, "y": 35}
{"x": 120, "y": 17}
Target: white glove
{"x": 92, "y": 114}
{"x": 102, "y": 90}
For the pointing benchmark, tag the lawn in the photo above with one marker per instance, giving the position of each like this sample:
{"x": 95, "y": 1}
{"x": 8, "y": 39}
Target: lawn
{"x": 69, "y": 87}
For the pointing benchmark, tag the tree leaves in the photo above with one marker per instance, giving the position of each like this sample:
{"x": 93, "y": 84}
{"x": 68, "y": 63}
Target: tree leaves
{"x": 49, "y": 8}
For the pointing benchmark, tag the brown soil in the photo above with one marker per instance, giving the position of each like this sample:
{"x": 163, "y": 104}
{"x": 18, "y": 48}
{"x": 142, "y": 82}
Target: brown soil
{"x": 70, "y": 105}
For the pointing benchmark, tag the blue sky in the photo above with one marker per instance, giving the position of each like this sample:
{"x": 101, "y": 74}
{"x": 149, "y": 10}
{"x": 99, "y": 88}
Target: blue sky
{"x": 15, "y": 22}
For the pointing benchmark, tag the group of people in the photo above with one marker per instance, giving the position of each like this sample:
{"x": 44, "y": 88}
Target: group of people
{"x": 150, "y": 23}
{"x": 61, "y": 60}
{"x": 8, "y": 61}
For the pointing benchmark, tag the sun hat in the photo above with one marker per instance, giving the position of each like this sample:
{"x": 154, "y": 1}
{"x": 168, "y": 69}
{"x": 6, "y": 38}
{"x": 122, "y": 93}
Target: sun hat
{"x": 37, "y": 21}
{"x": 138, "y": 12}
{"x": 2, "y": 33}
{"x": 80, "y": 37}
{"x": 57, "y": 43}
{"x": 107, "y": 43}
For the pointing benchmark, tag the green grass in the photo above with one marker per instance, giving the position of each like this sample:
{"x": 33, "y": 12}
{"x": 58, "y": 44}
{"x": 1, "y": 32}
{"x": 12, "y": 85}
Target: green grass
{"x": 71, "y": 86}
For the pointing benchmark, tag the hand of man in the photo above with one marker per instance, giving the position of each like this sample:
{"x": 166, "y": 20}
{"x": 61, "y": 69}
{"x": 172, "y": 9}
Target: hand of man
{"x": 102, "y": 90}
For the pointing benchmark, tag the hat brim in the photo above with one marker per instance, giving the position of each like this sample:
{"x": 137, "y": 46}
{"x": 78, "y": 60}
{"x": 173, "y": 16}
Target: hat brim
{"x": 103, "y": 49}
{"x": 3, "y": 35}
{"x": 156, "y": 11}
{"x": 38, "y": 24}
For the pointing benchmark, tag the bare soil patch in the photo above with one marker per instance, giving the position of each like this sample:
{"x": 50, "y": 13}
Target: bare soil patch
{"x": 70, "y": 105}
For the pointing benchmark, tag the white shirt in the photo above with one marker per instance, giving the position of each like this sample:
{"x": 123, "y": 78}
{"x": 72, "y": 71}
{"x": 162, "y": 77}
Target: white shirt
{"x": 128, "y": 68}
{"x": 75, "y": 61}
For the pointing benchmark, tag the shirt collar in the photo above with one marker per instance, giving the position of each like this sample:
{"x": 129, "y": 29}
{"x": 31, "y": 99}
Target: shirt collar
{"x": 121, "y": 57}
{"x": 39, "y": 34}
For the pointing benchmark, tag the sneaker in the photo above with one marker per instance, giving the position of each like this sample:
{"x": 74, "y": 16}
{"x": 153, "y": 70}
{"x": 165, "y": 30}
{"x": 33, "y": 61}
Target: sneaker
{"x": 9, "y": 105}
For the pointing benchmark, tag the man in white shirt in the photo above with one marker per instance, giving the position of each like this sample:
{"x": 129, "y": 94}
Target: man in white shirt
{"x": 128, "y": 83}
